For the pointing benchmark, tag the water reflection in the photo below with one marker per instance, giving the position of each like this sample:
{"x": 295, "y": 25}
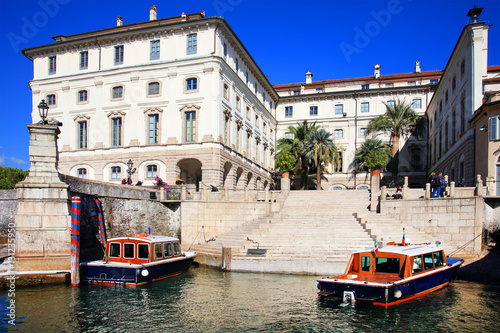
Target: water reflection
{"x": 208, "y": 300}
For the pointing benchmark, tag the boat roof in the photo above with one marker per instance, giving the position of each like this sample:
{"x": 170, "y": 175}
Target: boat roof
{"x": 146, "y": 238}
{"x": 408, "y": 250}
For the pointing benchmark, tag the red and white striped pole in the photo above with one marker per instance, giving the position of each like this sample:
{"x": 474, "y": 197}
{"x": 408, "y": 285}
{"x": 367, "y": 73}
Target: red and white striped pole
{"x": 75, "y": 241}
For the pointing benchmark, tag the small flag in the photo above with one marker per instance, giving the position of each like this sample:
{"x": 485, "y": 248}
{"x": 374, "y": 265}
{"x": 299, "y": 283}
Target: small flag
{"x": 403, "y": 242}
{"x": 376, "y": 246}
{"x": 149, "y": 231}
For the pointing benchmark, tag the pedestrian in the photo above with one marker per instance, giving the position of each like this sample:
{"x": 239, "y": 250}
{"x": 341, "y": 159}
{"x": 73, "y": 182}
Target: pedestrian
{"x": 443, "y": 185}
{"x": 398, "y": 194}
{"x": 435, "y": 185}
{"x": 124, "y": 181}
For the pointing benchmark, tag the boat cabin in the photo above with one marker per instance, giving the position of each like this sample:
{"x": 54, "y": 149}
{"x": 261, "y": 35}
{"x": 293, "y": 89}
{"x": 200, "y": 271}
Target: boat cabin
{"x": 141, "y": 249}
{"x": 393, "y": 263}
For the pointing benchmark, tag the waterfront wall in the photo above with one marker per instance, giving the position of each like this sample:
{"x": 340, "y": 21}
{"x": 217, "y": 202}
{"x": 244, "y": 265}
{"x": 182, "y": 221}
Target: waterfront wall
{"x": 454, "y": 221}
{"x": 8, "y": 211}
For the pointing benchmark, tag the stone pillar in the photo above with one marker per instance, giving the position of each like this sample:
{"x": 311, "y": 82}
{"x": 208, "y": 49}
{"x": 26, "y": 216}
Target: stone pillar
{"x": 285, "y": 184}
{"x": 226, "y": 191}
{"x": 479, "y": 186}
{"x": 43, "y": 221}
{"x": 406, "y": 188}
{"x": 490, "y": 185}
{"x": 383, "y": 193}
{"x": 183, "y": 193}
{"x": 452, "y": 190}
{"x": 427, "y": 190}
{"x": 447, "y": 188}
{"x": 375, "y": 192}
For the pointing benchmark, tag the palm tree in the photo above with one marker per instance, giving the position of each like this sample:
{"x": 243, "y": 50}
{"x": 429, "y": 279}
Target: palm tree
{"x": 372, "y": 155}
{"x": 400, "y": 120}
{"x": 321, "y": 149}
{"x": 300, "y": 134}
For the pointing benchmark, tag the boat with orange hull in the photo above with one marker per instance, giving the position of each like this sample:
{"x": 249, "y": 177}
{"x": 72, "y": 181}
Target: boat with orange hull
{"x": 391, "y": 275}
{"x": 137, "y": 260}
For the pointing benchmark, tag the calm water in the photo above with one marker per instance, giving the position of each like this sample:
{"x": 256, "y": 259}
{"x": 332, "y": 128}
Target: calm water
{"x": 208, "y": 300}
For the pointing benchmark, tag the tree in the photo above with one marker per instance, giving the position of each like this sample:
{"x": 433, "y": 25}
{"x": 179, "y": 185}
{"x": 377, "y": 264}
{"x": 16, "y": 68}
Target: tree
{"x": 295, "y": 146}
{"x": 401, "y": 121}
{"x": 372, "y": 155}
{"x": 285, "y": 160}
{"x": 320, "y": 149}
{"x": 9, "y": 177}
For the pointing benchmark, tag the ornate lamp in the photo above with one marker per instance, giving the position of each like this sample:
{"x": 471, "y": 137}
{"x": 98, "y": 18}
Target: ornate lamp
{"x": 130, "y": 171}
{"x": 43, "y": 110}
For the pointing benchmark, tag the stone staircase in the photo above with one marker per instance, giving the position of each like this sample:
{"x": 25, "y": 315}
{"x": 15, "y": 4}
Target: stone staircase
{"x": 314, "y": 233}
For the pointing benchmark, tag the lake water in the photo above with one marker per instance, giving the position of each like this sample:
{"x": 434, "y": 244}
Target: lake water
{"x": 209, "y": 300}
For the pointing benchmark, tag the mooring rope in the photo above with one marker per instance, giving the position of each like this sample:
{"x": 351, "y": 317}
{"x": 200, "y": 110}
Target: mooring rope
{"x": 466, "y": 244}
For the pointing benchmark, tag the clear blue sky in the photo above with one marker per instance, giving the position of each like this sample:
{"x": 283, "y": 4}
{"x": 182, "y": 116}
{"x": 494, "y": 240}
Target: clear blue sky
{"x": 287, "y": 38}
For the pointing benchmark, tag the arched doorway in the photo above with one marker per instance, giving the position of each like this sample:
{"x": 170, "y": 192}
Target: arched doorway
{"x": 239, "y": 184}
{"x": 227, "y": 170}
{"x": 249, "y": 179}
{"x": 190, "y": 171}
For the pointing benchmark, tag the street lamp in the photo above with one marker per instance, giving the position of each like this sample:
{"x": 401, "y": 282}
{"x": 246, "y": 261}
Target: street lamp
{"x": 43, "y": 110}
{"x": 130, "y": 171}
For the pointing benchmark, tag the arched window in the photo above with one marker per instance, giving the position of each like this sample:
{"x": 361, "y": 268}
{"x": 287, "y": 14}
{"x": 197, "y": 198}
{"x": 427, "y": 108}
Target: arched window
{"x": 154, "y": 88}
{"x": 82, "y": 173}
{"x": 116, "y": 172}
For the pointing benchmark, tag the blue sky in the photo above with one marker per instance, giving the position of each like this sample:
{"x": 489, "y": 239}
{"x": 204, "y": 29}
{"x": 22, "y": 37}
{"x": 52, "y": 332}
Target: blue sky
{"x": 331, "y": 38}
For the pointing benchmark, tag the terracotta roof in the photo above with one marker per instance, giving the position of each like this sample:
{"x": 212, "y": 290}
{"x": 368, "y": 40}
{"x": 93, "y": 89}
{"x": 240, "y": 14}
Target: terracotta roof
{"x": 494, "y": 68}
{"x": 367, "y": 79}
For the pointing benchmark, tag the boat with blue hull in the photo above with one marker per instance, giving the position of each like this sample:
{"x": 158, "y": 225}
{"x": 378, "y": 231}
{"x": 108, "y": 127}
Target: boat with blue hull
{"x": 391, "y": 275}
{"x": 138, "y": 260}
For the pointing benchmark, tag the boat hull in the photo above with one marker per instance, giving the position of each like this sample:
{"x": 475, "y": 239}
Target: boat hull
{"x": 135, "y": 274}
{"x": 389, "y": 293}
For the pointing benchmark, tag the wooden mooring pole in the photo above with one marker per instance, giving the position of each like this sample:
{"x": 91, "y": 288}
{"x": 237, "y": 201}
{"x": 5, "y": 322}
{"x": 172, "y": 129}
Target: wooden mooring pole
{"x": 75, "y": 241}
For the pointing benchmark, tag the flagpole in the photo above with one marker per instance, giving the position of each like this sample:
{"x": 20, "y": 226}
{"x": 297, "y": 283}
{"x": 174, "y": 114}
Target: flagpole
{"x": 75, "y": 241}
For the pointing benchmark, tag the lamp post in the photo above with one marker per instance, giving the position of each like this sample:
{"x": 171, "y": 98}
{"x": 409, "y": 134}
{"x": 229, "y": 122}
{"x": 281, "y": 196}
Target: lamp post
{"x": 130, "y": 171}
{"x": 43, "y": 110}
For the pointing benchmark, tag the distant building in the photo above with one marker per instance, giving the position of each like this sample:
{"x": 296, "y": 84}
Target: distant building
{"x": 458, "y": 95}
{"x": 180, "y": 97}
{"x": 344, "y": 107}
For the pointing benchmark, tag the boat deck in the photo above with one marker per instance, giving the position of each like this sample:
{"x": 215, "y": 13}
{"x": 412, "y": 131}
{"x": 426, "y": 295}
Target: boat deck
{"x": 377, "y": 278}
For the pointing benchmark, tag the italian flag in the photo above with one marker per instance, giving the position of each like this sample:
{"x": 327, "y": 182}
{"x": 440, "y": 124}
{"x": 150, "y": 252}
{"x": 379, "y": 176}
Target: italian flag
{"x": 376, "y": 246}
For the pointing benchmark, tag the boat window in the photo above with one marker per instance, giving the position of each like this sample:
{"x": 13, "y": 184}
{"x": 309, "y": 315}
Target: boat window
{"x": 387, "y": 265}
{"x": 365, "y": 264}
{"x": 438, "y": 259}
{"x": 158, "y": 251}
{"x": 428, "y": 264}
{"x": 167, "y": 249}
{"x": 177, "y": 249}
{"x": 128, "y": 250}
{"x": 114, "y": 250}
{"x": 417, "y": 264}
{"x": 143, "y": 251}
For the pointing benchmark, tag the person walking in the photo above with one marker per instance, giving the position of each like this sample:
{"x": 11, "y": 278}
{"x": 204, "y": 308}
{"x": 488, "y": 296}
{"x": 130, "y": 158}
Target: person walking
{"x": 443, "y": 185}
{"x": 435, "y": 182}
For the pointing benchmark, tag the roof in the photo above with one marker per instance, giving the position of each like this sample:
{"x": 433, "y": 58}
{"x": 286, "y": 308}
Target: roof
{"x": 409, "y": 250}
{"x": 147, "y": 239}
{"x": 366, "y": 79}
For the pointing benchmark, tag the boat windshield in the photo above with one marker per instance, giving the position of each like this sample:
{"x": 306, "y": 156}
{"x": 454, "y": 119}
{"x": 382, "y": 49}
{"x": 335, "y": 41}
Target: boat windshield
{"x": 387, "y": 265}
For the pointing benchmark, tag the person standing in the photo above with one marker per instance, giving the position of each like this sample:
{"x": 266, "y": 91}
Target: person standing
{"x": 443, "y": 185}
{"x": 435, "y": 184}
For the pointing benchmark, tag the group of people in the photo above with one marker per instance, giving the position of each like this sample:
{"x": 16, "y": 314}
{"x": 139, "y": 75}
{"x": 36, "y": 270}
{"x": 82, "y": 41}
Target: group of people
{"x": 438, "y": 185}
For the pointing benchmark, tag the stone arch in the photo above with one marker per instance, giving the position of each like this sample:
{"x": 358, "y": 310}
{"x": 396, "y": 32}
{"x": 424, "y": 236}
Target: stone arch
{"x": 249, "y": 179}
{"x": 266, "y": 184}
{"x": 190, "y": 170}
{"x": 258, "y": 181}
{"x": 238, "y": 182}
{"x": 227, "y": 171}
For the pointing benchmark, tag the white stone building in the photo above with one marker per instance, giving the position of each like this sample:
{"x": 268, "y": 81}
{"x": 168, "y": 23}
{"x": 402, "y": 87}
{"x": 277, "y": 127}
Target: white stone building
{"x": 344, "y": 107}
{"x": 459, "y": 94}
{"x": 180, "y": 97}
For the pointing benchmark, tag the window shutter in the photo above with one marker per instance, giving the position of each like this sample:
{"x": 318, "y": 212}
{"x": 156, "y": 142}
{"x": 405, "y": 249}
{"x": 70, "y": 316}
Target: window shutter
{"x": 494, "y": 128}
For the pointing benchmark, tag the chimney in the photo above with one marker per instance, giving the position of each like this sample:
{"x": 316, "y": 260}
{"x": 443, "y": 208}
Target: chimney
{"x": 417, "y": 67}
{"x": 119, "y": 21}
{"x": 377, "y": 71}
{"x": 152, "y": 13}
{"x": 184, "y": 17}
{"x": 309, "y": 77}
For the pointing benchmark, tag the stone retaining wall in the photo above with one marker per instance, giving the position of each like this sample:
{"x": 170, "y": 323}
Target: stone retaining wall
{"x": 8, "y": 211}
{"x": 453, "y": 220}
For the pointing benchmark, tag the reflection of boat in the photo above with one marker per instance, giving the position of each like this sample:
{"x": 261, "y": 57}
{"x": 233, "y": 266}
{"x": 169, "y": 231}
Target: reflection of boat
{"x": 393, "y": 274}
{"x": 138, "y": 260}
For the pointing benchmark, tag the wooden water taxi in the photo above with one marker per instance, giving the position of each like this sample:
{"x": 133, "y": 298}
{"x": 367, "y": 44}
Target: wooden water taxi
{"x": 138, "y": 260}
{"x": 391, "y": 275}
